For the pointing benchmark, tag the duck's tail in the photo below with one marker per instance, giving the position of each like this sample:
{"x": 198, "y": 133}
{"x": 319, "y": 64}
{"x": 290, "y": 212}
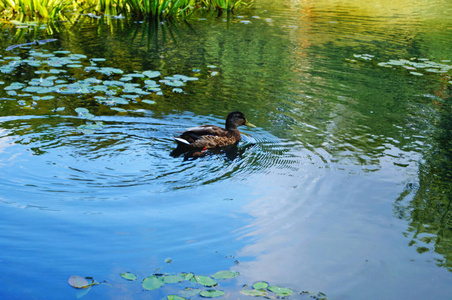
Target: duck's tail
{"x": 181, "y": 141}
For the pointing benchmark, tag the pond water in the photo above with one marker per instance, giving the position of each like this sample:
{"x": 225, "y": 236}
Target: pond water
{"x": 343, "y": 188}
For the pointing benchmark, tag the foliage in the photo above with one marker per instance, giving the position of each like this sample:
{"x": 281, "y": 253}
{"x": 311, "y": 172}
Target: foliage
{"x": 53, "y": 9}
{"x": 48, "y": 9}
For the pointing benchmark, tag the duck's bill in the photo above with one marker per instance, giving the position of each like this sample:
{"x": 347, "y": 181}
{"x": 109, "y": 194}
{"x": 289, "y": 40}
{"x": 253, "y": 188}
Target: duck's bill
{"x": 249, "y": 124}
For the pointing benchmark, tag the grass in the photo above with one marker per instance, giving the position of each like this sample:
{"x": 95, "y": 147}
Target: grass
{"x": 53, "y": 9}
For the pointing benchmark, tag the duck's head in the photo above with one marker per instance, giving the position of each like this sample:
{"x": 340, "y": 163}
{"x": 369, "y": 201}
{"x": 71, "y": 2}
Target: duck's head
{"x": 236, "y": 119}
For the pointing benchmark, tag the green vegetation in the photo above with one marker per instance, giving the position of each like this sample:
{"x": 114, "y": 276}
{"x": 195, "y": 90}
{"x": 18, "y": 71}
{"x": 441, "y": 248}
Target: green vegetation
{"x": 54, "y": 9}
{"x": 188, "y": 285}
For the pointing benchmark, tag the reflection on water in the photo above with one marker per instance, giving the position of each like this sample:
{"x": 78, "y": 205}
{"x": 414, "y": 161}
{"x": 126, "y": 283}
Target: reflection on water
{"x": 343, "y": 188}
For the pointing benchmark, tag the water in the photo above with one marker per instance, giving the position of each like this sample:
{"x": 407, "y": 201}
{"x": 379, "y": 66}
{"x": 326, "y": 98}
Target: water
{"x": 343, "y": 188}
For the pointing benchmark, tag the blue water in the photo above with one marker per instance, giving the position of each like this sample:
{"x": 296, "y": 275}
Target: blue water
{"x": 343, "y": 187}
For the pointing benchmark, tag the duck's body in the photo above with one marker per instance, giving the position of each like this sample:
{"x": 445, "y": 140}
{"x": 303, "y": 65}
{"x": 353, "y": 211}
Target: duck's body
{"x": 211, "y": 136}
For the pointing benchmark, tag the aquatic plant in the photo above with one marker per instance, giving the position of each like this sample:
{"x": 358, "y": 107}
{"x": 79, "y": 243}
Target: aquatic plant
{"x": 52, "y": 9}
{"x": 157, "y": 281}
{"x": 224, "y": 4}
{"x": 48, "y": 9}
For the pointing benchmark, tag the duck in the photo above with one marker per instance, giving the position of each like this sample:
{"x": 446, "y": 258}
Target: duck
{"x": 211, "y": 136}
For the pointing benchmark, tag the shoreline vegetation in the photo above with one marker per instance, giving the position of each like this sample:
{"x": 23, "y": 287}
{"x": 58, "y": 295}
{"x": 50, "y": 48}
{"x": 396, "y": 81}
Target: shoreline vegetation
{"x": 54, "y": 10}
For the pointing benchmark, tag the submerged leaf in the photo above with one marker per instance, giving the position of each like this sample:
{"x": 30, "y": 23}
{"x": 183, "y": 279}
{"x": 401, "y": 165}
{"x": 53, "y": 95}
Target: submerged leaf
{"x": 152, "y": 283}
{"x": 189, "y": 292}
{"x": 255, "y": 293}
{"x": 173, "y": 278}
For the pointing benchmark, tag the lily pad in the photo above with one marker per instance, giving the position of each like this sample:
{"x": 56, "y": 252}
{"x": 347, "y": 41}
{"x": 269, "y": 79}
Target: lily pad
{"x": 205, "y": 280}
{"x": 84, "y": 113}
{"x": 148, "y": 101}
{"x": 189, "y": 276}
{"x": 261, "y": 285}
{"x": 78, "y": 282}
{"x": 129, "y": 276}
{"x": 109, "y": 71}
{"x": 211, "y": 293}
{"x": 174, "y": 83}
{"x": 173, "y": 278}
{"x": 152, "y": 282}
{"x": 14, "y": 86}
{"x": 175, "y": 297}
{"x": 280, "y": 291}
{"x": 151, "y": 74}
{"x": 168, "y": 260}
{"x": 255, "y": 293}
{"x": 151, "y": 83}
{"x": 225, "y": 274}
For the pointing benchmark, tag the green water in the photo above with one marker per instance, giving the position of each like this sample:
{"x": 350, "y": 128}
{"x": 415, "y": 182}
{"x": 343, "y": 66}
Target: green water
{"x": 343, "y": 187}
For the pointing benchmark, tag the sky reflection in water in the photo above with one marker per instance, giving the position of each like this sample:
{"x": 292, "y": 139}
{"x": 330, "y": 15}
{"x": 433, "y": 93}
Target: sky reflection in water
{"x": 318, "y": 198}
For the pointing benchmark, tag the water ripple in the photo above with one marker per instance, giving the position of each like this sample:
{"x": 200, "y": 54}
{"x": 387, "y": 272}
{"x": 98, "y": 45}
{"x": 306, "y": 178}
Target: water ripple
{"x": 130, "y": 156}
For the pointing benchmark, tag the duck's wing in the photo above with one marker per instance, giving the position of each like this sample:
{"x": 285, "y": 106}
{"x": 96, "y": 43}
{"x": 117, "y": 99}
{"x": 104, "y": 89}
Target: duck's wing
{"x": 205, "y": 130}
{"x": 191, "y": 135}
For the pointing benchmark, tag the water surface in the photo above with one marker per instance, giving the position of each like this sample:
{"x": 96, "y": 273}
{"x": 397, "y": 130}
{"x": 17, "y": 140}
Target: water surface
{"x": 343, "y": 188}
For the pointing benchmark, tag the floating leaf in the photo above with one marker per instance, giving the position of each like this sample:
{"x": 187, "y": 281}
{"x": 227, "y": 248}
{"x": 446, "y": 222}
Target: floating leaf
{"x": 113, "y": 83}
{"x": 211, "y": 293}
{"x": 14, "y": 86}
{"x": 151, "y": 74}
{"x": 225, "y": 274}
{"x": 89, "y": 128}
{"x": 148, "y": 101}
{"x": 168, "y": 260}
{"x": 109, "y": 71}
{"x": 255, "y": 293}
{"x": 280, "y": 291}
{"x": 151, "y": 83}
{"x": 129, "y": 276}
{"x": 175, "y": 297}
{"x": 152, "y": 283}
{"x": 119, "y": 100}
{"x": 205, "y": 280}
{"x": 416, "y": 73}
{"x": 174, "y": 83}
{"x": 83, "y": 113}
{"x": 173, "y": 278}
{"x": 78, "y": 282}
{"x": 74, "y": 66}
{"x": 189, "y": 276}
{"x": 189, "y": 292}
{"x": 118, "y": 109}
{"x": 261, "y": 285}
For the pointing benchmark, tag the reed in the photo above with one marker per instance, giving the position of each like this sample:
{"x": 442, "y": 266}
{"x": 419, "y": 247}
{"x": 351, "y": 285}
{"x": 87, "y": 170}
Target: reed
{"x": 48, "y": 9}
{"x": 224, "y": 4}
{"x": 53, "y": 9}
